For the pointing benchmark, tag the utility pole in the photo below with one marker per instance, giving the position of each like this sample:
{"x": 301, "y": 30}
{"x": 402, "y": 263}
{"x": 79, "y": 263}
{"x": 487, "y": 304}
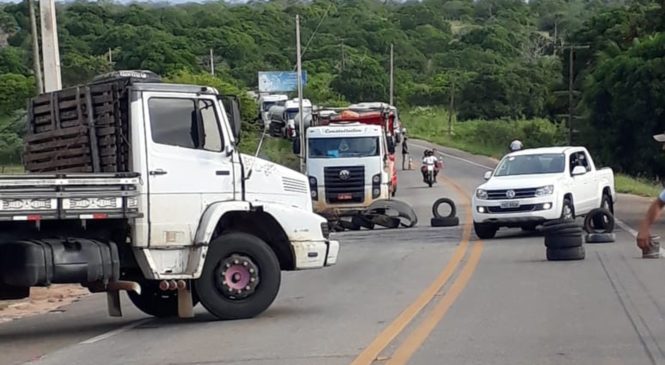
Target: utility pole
{"x": 36, "y": 64}
{"x": 571, "y": 78}
{"x": 212, "y": 63}
{"x": 392, "y": 73}
{"x": 299, "y": 82}
{"x": 451, "y": 107}
{"x": 50, "y": 48}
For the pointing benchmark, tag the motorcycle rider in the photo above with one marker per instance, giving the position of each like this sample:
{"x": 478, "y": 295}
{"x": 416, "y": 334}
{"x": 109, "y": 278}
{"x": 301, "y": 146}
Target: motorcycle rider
{"x": 429, "y": 159}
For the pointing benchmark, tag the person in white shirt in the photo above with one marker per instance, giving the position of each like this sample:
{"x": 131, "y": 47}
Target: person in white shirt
{"x": 429, "y": 159}
{"x": 516, "y": 145}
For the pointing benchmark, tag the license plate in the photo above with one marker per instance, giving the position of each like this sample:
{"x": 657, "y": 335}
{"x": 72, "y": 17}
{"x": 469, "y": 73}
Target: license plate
{"x": 345, "y": 196}
{"x": 511, "y": 204}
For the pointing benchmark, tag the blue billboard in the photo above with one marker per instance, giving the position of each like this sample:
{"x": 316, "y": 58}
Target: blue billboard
{"x": 280, "y": 81}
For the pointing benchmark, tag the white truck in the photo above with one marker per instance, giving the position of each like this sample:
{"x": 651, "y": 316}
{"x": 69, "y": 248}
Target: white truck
{"x": 348, "y": 167}
{"x": 532, "y": 186}
{"x": 142, "y": 188}
{"x": 266, "y": 102}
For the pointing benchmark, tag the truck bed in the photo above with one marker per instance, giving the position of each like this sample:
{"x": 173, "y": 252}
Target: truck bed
{"x": 36, "y": 197}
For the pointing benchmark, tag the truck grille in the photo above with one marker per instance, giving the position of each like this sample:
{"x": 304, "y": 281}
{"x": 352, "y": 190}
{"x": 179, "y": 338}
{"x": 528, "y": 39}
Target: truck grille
{"x": 349, "y": 190}
{"x": 519, "y": 194}
{"x": 521, "y": 208}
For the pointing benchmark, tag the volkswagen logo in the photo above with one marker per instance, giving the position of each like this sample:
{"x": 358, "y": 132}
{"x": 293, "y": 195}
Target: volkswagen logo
{"x": 344, "y": 175}
{"x": 510, "y": 194}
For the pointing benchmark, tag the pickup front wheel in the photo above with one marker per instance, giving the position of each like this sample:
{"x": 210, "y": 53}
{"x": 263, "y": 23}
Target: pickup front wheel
{"x": 485, "y": 230}
{"x": 240, "y": 278}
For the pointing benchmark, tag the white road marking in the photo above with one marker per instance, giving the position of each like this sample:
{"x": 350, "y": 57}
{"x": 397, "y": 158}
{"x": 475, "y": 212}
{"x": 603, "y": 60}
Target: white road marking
{"x": 114, "y": 332}
{"x": 619, "y": 222}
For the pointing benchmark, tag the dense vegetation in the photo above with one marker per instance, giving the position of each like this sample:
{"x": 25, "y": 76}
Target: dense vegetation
{"x": 502, "y": 58}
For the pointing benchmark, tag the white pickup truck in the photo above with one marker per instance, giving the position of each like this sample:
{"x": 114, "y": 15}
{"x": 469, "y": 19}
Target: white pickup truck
{"x": 532, "y": 186}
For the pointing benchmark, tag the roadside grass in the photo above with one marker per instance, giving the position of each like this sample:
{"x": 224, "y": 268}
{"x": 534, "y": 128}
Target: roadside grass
{"x": 277, "y": 150}
{"x": 491, "y": 138}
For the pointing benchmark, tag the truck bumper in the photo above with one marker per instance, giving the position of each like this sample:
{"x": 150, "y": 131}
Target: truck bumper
{"x": 330, "y": 210}
{"x": 315, "y": 254}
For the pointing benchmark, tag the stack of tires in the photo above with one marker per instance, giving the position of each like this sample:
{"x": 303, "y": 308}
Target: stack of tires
{"x": 444, "y": 221}
{"x": 599, "y": 225}
{"x": 564, "y": 240}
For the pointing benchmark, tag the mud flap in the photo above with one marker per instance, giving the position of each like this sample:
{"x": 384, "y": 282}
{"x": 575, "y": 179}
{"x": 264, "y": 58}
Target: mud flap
{"x": 113, "y": 303}
{"x": 185, "y": 302}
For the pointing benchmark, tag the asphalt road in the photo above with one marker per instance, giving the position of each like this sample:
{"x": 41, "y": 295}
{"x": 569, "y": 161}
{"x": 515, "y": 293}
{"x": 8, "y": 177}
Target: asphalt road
{"x": 420, "y": 296}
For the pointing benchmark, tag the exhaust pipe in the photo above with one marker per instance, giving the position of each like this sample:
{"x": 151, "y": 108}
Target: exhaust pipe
{"x": 124, "y": 285}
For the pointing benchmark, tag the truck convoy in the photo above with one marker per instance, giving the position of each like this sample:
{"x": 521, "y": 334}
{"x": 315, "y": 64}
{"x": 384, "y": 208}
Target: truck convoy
{"x": 282, "y": 117}
{"x": 532, "y": 186}
{"x": 137, "y": 185}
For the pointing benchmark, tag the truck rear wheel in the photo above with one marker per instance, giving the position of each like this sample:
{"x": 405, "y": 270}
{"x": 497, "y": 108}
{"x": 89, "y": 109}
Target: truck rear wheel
{"x": 240, "y": 278}
{"x": 156, "y": 302}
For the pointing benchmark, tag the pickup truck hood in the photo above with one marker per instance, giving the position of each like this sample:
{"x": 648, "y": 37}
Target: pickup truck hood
{"x": 520, "y": 181}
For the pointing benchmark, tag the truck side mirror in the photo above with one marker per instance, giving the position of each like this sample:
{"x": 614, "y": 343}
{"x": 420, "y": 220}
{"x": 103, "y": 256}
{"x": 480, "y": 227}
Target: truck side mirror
{"x": 232, "y": 107}
{"x": 296, "y": 146}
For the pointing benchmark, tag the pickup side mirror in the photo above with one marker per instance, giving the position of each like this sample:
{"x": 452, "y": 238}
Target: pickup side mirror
{"x": 296, "y": 146}
{"x": 579, "y": 170}
{"x": 232, "y": 107}
{"x": 488, "y": 174}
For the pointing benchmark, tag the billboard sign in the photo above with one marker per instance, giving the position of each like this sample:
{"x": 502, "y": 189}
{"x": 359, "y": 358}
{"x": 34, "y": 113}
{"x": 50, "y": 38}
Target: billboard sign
{"x": 280, "y": 81}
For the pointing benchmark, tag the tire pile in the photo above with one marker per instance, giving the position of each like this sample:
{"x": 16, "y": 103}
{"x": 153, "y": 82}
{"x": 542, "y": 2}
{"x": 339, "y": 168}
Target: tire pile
{"x": 564, "y": 240}
{"x": 384, "y": 213}
{"x": 450, "y": 220}
{"x": 599, "y": 225}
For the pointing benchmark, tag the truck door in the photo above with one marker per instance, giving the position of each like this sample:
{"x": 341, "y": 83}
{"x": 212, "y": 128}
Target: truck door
{"x": 584, "y": 188}
{"x": 187, "y": 164}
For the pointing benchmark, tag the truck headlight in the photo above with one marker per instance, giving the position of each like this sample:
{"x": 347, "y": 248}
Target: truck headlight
{"x": 545, "y": 190}
{"x": 481, "y": 194}
{"x": 376, "y": 179}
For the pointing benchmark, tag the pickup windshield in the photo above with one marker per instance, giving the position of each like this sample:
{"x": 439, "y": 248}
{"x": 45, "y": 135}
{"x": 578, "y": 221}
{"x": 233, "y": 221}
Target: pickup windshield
{"x": 343, "y": 147}
{"x": 550, "y": 163}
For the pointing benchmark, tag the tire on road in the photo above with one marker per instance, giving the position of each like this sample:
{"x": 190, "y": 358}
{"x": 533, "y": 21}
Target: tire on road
{"x": 437, "y": 204}
{"x": 385, "y": 221}
{"x": 600, "y": 238}
{"x": 485, "y": 230}
{"x": 555, "y": 229}
{"x": 566, "y": 254}
{"x": 362, "y": 221}
{"x": 350, "y": 225}
{"x": 562, "y": 242}
{"x": 216, "y": 295}
{"x": 402, "y": 210}
{"x": 596, "y": 216}
{"x": 444, "y": 222}
{"x": 556, "y": 222}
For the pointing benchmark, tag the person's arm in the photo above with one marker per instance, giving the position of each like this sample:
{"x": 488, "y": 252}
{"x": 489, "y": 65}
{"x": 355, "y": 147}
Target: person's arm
{"x": 652, "y": 215}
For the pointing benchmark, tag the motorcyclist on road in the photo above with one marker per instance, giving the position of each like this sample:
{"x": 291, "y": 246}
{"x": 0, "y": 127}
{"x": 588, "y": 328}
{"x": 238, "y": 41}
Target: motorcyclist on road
{"x": 429, "y": 159}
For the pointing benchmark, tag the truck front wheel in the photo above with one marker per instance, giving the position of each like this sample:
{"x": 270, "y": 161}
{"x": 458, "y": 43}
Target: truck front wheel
{"x": 240, "y": 278}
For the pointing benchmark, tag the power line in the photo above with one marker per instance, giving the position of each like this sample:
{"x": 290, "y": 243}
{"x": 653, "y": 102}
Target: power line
{"x": 323, "y": 17}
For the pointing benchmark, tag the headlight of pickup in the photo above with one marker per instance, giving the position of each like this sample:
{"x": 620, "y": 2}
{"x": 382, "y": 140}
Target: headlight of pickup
{"x": 545, "y": 190}
{"x": 481, "y": 194}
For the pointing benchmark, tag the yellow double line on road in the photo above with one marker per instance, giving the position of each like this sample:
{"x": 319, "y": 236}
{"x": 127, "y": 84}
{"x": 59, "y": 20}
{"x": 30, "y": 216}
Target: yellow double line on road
{"x": 418, "y": 336}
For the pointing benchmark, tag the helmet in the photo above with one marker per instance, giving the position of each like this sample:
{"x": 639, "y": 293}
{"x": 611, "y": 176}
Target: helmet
{"x": 515, "y": 145}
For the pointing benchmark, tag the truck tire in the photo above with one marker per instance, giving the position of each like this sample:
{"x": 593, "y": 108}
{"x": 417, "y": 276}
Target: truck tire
{"x": 595, "y": 221}
{"x": 362, "y": 221}
{"x": 444, "y": 222}
{"x": 484, "y": 230}
{"x": 156, "y": 302}
{"x": 566, "y": 254}
{"x": 563, "y": 242}
{"x": 386, "y": 221}
{"x": 600, "y": 238}
{"x": 437, "y": 204}
{"x": 241, "y": 277}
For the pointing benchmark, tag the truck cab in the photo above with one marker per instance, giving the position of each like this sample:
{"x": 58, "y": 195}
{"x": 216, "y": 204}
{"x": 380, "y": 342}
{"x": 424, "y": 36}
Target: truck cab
{"x": 347, "y": 166}
{"x": 267, "y": 101}
{"x": 138, "y": 185}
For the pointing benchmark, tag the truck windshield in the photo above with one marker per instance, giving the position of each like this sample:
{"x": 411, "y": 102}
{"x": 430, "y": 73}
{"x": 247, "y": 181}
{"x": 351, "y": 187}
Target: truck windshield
{"x": 343, "y": 147}
{"x": 549, "y": 163}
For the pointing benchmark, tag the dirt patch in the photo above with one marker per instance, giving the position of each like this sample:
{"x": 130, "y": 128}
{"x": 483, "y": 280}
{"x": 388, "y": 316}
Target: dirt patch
{"x": 41, "y": 300}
